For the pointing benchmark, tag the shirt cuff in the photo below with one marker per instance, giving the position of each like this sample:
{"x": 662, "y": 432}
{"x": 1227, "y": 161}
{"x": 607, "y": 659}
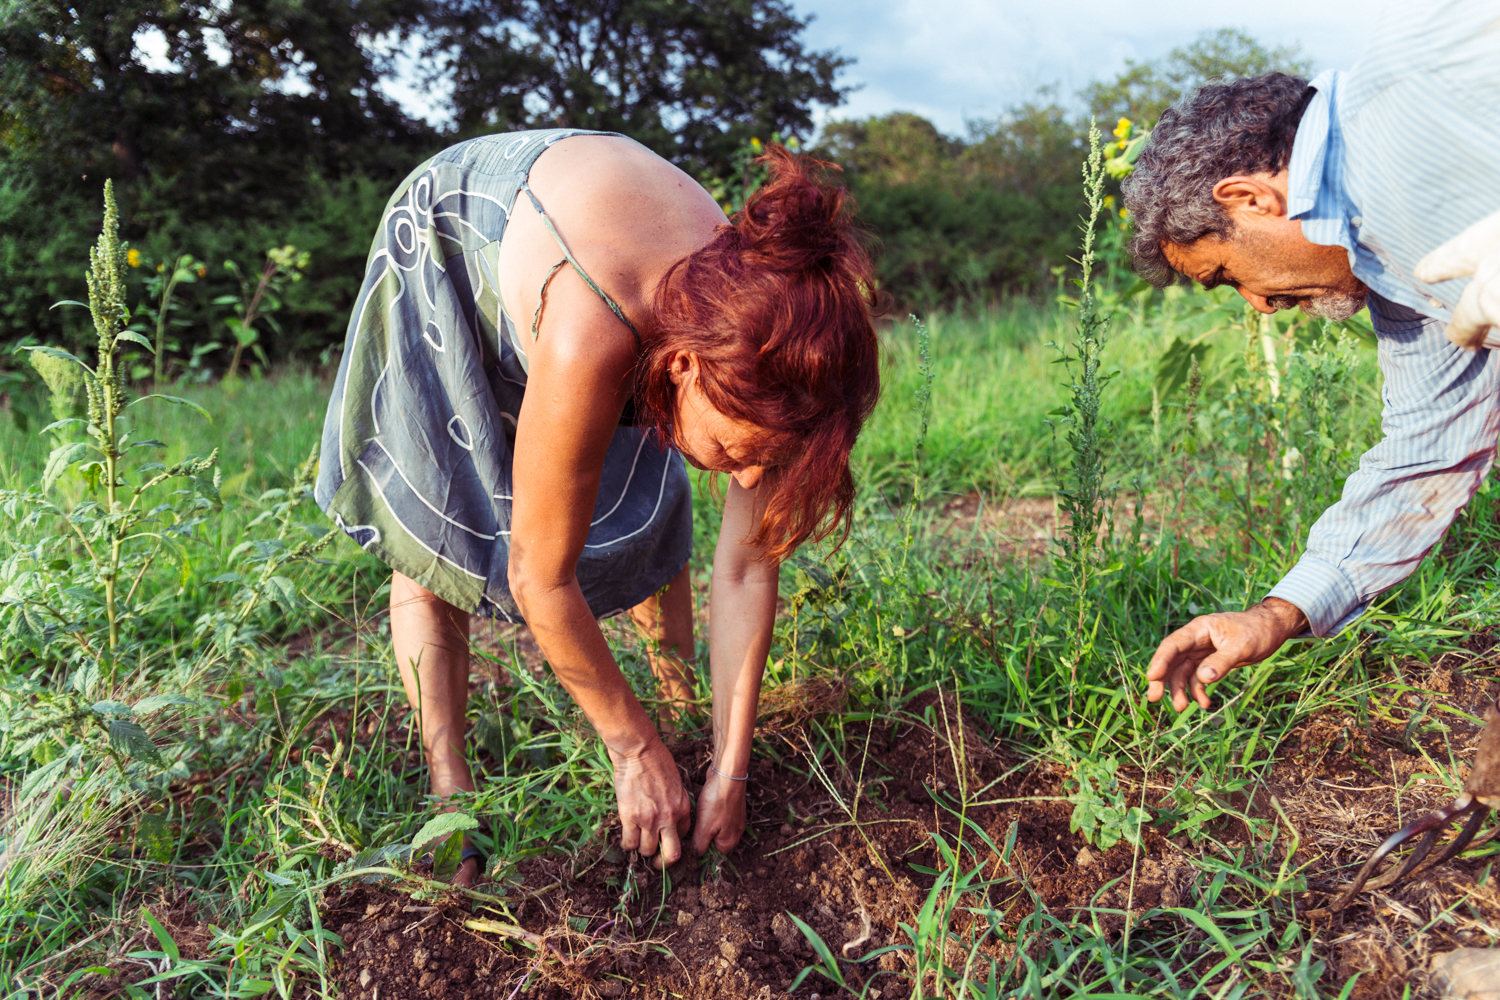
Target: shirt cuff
{"x": 1322, "y": 593}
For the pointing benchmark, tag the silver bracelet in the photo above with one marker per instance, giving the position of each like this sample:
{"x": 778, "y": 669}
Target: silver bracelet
{"x": 731, "y": 777}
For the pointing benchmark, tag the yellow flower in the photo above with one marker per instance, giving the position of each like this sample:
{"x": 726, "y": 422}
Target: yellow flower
{"x": 133, "y": 257}
{"x": 1125, "y": 213}
{"x": 755, "y": 145}
{"x": 1109, "y": 201}
{"x": 202, "y": 270}
{"x": 1122, "y": 129}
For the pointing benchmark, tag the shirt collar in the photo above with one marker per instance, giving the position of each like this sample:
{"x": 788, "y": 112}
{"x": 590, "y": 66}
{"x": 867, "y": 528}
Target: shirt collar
{"x": 1315, "y": 190}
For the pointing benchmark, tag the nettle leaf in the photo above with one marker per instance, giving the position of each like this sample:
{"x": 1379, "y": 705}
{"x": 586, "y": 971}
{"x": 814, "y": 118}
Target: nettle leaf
{"x": 282, "y": 591}
{"x": 111, "y": 708}
{"x": 27, "y": 625}
{"x": 85, "y": 677}
{"x": 131, "y": 740}
{"x": 157, "y": 702}
{"x": 441, "y": 827}
{"x": 62, "y": 458}
{"x": 224, "y": 635}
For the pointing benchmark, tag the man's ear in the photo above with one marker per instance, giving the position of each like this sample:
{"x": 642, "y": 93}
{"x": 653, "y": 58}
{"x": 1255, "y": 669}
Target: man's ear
{"x": 1247, "y": 195}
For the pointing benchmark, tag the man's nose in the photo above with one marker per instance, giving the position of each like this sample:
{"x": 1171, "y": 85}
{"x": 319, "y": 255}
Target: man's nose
{"x": 1260, "y": 302}
{"x": 749, "y": 477}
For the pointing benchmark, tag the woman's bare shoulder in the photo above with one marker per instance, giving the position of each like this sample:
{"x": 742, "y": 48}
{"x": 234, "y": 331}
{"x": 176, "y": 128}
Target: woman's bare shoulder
{"x": 617, "y": 196}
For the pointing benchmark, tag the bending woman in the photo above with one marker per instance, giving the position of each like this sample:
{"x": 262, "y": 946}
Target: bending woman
{"x": 550, "y": 322}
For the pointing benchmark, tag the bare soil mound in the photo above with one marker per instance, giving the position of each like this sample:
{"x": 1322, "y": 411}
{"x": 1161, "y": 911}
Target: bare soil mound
{"x": 611, "y": 926}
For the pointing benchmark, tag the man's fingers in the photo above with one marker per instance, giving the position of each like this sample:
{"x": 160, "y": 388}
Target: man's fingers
{"x": 1220, "y": 663}
{"x": 1188, "y": 639}
{"x": 1468, "y": 327}
{"x": 727, "y": 840}
{"x": 630, "y": 836}
{"x": 1478, "y": 308}
{"x": 1460, "y": 256}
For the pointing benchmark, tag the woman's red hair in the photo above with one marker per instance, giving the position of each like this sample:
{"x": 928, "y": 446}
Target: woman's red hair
{"x": 778, "y": 308}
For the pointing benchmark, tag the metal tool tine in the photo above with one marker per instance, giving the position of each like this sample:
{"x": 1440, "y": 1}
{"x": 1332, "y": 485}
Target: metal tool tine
{"x": 1430, "y": 824}
{"x": 1476, "y": 819}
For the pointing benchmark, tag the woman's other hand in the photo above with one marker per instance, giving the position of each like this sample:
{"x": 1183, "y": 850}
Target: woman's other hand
{"x": 721, "y": 814}
{"x": 654, "y": 808}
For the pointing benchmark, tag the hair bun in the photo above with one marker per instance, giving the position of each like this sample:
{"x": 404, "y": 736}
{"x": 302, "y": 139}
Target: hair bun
{"x": 798, "y": 218}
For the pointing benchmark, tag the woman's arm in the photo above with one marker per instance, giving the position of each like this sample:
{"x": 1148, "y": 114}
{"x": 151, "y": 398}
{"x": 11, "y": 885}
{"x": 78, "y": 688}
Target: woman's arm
{"x": 574, "y": 393}
{"x": 742, "y": 612}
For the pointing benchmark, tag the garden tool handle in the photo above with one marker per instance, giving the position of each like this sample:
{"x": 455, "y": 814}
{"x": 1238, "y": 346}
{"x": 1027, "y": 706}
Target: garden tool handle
{"x": 1484, "y": 779}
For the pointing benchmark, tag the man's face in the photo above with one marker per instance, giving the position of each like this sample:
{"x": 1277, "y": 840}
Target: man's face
{"x": 1267, "y": 259}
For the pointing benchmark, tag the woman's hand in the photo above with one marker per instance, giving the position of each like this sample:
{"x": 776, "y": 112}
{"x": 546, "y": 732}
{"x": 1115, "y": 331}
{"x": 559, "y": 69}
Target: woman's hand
{"x": 654, "y": 807}
{"x": 721, "y": 814}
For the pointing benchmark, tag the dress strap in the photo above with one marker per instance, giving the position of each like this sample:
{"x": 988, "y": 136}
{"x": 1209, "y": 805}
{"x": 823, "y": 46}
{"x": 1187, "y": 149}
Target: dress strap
{"x": 568, "y": 258}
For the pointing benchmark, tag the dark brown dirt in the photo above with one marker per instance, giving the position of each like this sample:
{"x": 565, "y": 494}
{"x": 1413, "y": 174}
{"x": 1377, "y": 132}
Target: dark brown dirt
{"x": 701, "y": 933}
{"x": 726, "y": 934}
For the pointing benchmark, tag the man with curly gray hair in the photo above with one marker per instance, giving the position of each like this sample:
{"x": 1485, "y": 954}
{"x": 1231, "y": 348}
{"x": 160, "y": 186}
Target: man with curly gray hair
{"x": 1326, "y": 195}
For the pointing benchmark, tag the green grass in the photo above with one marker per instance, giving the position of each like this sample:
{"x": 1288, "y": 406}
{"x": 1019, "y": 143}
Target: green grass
{"x": 274, "y": 758}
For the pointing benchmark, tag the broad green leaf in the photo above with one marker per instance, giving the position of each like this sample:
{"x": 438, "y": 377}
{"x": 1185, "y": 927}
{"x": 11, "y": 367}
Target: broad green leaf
{"x": 441, "y": 827}
{"x": 57, "y": 352}
{"x": 176, "y": 401}
{"x": 62, "y": 458}
{"x": 135, "y": 338}
{"x": 447, "y": 856}
{"x": 131, "y": 740}
{"x": 111, "y": 708}
{"x": 282, "y": 591}
{"x": 28, "y": 626}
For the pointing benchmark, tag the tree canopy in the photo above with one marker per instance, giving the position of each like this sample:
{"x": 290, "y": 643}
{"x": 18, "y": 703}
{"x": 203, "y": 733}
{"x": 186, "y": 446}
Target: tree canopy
{"x": 1144, "y": 90}
{"x": 692, "y": 80}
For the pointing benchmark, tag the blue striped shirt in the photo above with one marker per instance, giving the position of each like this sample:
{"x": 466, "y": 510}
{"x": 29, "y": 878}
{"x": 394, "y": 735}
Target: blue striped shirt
{"x": 1391, "y": 159}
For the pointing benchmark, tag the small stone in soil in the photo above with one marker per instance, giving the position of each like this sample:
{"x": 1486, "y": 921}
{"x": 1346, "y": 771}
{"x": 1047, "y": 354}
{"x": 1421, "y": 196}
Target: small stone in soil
{"x": 786, "y": 830}
{"x": 761, "y": 873}
{"x": 684, "y": 918}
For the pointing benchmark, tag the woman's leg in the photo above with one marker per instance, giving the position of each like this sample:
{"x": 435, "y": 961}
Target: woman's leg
{"x": 431, "y": 641}
{"x": 665, "y": 621}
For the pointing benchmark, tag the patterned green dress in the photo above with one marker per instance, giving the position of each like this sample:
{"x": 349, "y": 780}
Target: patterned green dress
{"x": 420, "y": 431}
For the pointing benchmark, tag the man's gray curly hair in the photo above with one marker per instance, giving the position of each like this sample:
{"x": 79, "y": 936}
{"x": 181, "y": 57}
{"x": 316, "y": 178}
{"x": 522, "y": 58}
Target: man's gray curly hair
{"x": 1242, "y": 127}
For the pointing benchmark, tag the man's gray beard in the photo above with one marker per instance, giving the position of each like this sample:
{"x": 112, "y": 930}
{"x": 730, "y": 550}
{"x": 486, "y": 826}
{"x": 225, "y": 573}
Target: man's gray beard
{"x": 1335, "y": 306}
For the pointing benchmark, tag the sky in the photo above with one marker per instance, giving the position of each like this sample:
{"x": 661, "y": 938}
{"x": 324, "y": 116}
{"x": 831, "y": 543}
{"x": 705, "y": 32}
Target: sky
{"x": 954, "y": 60}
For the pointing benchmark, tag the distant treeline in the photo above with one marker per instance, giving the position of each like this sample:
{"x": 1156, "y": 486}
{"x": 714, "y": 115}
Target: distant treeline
{"x": 234, "y": 126}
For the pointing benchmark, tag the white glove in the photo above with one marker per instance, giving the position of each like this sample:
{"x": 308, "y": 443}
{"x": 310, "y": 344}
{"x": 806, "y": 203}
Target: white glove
{"x": 1476, "y": 252}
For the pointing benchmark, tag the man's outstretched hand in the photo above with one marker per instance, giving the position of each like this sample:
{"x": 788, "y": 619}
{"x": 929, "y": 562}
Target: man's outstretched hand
{"x": 1475, "y": 253}
{"x": 1209, "y": 646}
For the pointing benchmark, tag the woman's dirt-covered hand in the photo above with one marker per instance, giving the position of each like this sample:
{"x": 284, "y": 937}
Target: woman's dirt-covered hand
{"x": 654, "y": 807}
{"x": 721, "y": 814}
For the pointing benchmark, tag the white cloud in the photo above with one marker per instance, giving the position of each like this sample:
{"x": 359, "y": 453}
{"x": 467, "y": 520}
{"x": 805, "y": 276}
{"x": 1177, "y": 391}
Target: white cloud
{"x": 957, "y": 59}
